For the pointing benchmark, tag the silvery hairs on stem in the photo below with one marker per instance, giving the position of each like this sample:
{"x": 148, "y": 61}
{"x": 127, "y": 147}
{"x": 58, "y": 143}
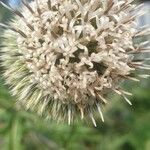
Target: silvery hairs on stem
{"x": 62, "y": 57}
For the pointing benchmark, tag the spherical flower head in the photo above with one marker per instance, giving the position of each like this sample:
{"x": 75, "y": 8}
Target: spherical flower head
{"x": 62, "y": 57}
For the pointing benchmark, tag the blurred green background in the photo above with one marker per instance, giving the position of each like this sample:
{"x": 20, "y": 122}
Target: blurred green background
{"x": 125, "y": 127}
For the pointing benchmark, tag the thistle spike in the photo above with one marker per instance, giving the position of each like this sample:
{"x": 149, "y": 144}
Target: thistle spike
{"x": 127, "y": 100}
{"x": 100, "y": 112}
{"x": 38, "y": 8}
{"x": 144, "y": 76}
{"x": 81, "y": 112}
{"x": 12, "y": 10}
{"x": 93, "y": 120}
{"x": 117, "y": 91}
{"x": 18, "y": 14}
{"x": 126, "y": 92}
{"x": 6, "y": 6}
{"x": 13, "y": 29}
{"x": 102, "y": 98}
{"x": 69, "y": 115}
{"x": 25, "y": 3}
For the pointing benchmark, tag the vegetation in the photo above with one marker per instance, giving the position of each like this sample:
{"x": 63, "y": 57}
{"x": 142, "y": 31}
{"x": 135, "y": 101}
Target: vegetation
{"x": 125, "y": 128}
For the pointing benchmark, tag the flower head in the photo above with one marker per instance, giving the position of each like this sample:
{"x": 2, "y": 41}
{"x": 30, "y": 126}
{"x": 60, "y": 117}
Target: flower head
{"x": 61, "y": 57}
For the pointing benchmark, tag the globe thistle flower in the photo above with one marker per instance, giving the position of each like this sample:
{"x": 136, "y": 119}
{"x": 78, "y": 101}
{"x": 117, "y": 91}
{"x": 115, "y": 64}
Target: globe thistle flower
{"x": 62, "y": 57}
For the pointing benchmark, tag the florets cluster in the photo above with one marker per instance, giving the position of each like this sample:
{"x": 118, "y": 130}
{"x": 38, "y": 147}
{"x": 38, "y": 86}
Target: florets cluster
{"x": 70, "y": 53}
